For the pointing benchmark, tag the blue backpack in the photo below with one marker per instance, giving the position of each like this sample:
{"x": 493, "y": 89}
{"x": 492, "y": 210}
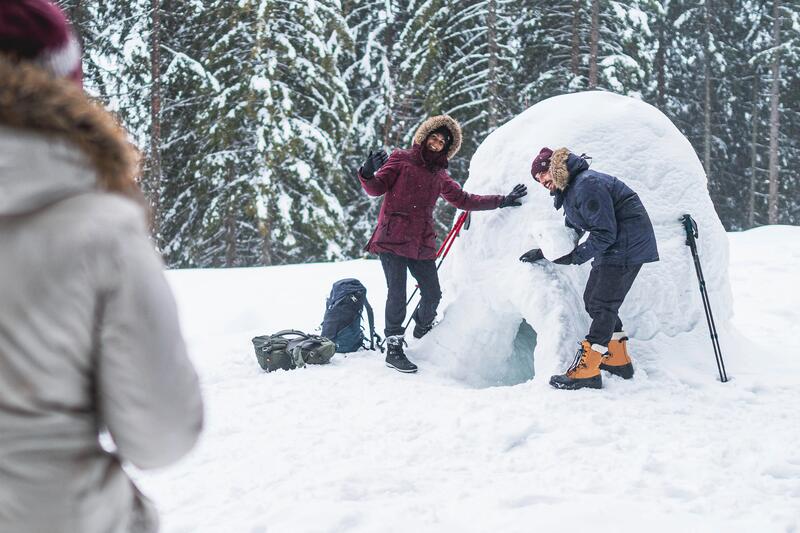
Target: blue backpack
{"x": 342, "y": 322}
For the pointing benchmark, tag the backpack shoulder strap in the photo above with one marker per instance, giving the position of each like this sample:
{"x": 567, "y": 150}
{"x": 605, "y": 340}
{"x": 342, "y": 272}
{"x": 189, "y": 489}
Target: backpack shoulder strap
{"x": 371, "y": 319}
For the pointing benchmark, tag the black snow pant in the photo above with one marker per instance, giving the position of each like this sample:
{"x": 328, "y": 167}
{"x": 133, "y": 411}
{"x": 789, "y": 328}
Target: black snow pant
{"x": 424, "y": 271}
{"x": 605, "y": 291}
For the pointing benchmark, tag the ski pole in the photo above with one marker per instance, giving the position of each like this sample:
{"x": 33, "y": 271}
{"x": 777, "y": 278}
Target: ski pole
{"x": 444, "y": 249}
{"x": 451, "y": 235}
{"x": 692, "y": 233}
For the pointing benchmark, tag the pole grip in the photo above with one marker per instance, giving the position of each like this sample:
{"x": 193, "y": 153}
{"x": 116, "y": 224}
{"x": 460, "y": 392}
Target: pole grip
{"x": 690, "y": 227}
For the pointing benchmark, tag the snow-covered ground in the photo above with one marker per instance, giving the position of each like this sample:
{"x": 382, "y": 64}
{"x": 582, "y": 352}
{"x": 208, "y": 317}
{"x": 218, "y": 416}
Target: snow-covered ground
{"x": 354, "y": 446}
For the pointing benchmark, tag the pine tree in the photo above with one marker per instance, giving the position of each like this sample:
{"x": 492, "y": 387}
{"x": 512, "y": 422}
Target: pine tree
{"x": 371, "y": 74}
{"x": 116, "y": 57}
{"x": 307, "y": 116}
{"x": 693, "y": 89}
{"x": 475, "y": 81}
{"x": 254, "y": 116}
{"x": 554, "y": 43}
{"x": 186, "y": 88}
{"x": 224, "y": 169}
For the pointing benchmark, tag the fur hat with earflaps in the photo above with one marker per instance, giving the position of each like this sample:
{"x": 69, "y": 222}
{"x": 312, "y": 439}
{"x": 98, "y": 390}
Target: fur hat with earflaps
{"x": 436, "y": 123}
{"x": 555, "y": 162}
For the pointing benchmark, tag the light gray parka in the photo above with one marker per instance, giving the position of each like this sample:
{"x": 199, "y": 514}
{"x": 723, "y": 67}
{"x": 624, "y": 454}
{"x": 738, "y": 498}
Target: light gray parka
{"x": 89, "y": 336}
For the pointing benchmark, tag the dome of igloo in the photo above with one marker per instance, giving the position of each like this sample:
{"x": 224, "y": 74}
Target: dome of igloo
{"x": 495, "y": 308}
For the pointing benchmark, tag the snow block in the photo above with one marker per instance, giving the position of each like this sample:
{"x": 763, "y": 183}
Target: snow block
{"x": 488, "y": 292}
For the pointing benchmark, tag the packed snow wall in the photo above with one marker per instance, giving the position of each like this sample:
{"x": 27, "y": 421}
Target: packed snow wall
{"x": 488, "y": 292}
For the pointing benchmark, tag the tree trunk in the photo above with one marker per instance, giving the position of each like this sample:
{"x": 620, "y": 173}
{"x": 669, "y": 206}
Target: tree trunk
{"x": 774, "y": 116}
{"x": 576, "y": 37}
{"x": 661, "y": 77}
{"x": 707, "y": 96}
{"x": 491, "y": 37}
{"x": 78, "y": 19}
{"x": 265, "y": 228}
{"x": 229, "y": 222}
{"x": 595, "y": 42}
{"x": 390, "y": 97}
{"x": 154, "y": 186}
{"x": 751, "y": 204}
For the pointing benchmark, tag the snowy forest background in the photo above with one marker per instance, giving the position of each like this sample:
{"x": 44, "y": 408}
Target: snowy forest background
{"x": 253, "y": 115}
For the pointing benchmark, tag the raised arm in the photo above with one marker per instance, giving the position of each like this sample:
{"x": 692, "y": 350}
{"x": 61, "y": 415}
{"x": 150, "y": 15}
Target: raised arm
{"x": 378, "y": 174}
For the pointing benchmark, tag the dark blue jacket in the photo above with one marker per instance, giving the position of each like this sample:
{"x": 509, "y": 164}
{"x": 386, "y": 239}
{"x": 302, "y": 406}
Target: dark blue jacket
{"x": 620, "y": 229}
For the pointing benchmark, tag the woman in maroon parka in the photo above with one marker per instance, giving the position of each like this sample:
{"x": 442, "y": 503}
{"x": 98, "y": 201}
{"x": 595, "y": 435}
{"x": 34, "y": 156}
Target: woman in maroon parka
{"x": 411, "y": 182}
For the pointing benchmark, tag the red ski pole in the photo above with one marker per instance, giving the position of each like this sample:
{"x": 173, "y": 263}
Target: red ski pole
{"x": 452, "y": 234}
{"x": 444, "y": 249}
{"x": 457, "y": 228}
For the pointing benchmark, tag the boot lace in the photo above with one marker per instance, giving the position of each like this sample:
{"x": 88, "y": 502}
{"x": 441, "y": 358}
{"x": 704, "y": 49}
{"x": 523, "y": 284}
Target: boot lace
{"x": 396, "y": 350}
{"x": 579, "y": 360}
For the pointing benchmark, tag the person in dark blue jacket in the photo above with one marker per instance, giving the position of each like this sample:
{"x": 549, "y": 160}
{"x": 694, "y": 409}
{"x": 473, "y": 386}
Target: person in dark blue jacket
{"x": 621, "y": 240}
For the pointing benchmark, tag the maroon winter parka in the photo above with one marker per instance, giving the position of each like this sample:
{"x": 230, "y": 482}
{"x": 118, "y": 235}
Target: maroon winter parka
{"x": 411, "y": 189}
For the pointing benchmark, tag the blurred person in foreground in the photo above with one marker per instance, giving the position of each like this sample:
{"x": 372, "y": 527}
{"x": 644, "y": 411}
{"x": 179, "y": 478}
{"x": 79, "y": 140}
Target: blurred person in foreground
{"x": 89, "y": 335}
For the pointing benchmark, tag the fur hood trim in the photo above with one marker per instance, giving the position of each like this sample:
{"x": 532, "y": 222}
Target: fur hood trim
{"x": 558, "y": 168}
{"x": 435, "y": 123}
{"x": 34, "y": 100}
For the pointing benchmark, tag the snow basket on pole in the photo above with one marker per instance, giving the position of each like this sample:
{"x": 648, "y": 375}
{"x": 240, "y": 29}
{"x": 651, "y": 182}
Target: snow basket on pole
{"x": 692, "y": 235}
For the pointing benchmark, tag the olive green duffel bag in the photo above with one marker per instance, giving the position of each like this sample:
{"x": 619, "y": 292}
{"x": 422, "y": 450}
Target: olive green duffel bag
{"x": 290, "y": 349}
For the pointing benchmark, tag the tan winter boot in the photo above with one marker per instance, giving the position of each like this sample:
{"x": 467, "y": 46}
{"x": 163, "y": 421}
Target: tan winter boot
{"x": 584, "y": 372}
{"x": 617, "y": 361}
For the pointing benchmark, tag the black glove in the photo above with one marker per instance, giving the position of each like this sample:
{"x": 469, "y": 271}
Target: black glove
{"x": 375, "y": 160}
{"x": 531, "y": 256}
{"x": 511, "y": 200}
{"x": 564, "y": 260}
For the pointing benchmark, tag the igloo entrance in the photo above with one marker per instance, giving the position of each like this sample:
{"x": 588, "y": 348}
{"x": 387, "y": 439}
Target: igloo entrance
{"x": 521, "y": 361}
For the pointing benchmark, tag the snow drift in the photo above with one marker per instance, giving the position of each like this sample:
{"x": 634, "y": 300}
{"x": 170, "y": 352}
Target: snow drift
{"x": 496, "y": 308}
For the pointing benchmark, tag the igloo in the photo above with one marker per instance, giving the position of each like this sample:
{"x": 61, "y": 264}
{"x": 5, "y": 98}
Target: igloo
{"x": 503, "y": 321}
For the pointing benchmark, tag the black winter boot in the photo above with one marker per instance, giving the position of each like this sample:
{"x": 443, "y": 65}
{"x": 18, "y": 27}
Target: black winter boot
{"x": 421, "y": 330}
{"x": 396, "y": 358}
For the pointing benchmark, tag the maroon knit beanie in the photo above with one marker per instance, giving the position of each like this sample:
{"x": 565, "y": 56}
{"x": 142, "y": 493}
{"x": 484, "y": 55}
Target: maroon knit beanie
{"x": 37, "y": 31}
{"x": 541, "y": 162}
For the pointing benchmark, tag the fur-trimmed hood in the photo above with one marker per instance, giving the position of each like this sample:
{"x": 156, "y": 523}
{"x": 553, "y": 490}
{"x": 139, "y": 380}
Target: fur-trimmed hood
{"x": 55, "y": 142}
{"x": 558, "y": 168}
{"x": 564, "y": 165}
{"x": 434, "y": 123}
